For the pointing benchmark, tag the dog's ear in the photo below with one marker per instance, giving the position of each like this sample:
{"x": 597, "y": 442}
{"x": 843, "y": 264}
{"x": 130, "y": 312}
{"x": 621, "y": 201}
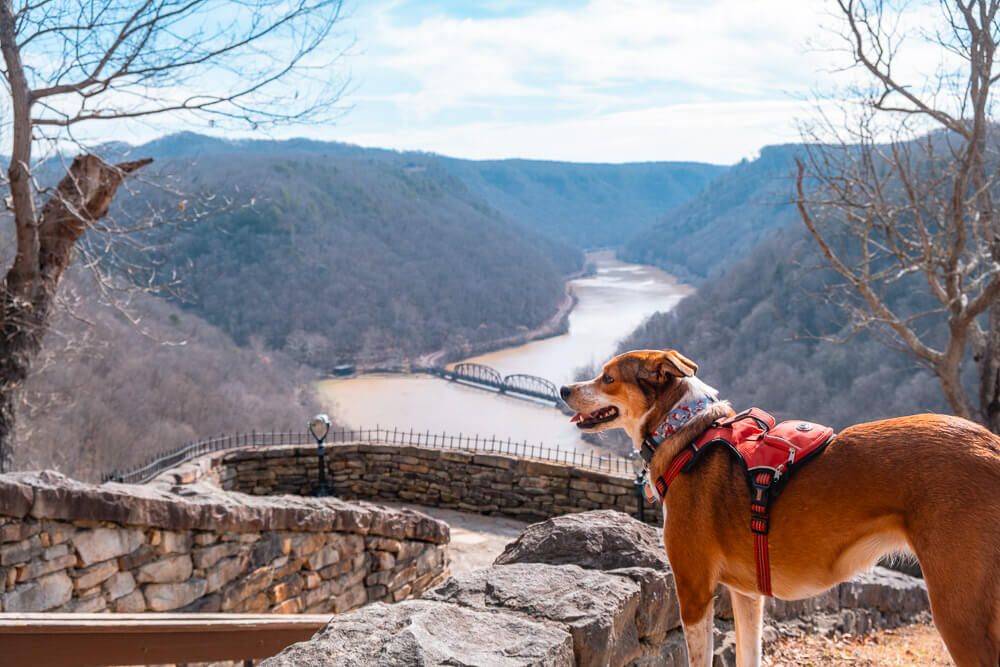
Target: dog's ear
{"x": 679, "y": 365}
{"x": 658, "y": 366}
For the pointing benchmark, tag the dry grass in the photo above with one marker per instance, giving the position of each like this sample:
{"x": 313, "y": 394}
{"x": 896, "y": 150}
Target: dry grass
{"x": 917, "y": 644}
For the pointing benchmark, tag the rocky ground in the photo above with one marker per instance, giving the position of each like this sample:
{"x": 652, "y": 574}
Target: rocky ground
{"x": 477, "y": 540}
{"x": 594, "y": 588}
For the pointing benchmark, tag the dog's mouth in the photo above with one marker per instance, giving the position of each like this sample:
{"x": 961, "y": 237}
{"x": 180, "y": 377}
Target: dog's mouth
{"x": 599, "y": 416}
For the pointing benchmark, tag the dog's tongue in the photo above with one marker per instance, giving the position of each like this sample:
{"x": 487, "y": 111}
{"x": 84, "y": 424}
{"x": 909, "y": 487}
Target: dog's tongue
{"x": 577, "y": 417}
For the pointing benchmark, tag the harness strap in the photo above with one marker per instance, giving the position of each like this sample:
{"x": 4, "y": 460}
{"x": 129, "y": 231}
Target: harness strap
{"x": 759, "y": 512}
{"x": 761, "y": 481}
{"x": 664, "y": 481}
{"x": 759, "y": 524}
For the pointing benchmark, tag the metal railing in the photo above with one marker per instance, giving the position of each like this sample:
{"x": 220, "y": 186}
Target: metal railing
{"x": 609, "y": 463}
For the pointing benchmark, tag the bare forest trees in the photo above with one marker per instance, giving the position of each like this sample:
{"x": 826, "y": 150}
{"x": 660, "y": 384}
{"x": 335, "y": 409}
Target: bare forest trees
{"x": 901, "y": 198}
{"x": 71, "y": 65}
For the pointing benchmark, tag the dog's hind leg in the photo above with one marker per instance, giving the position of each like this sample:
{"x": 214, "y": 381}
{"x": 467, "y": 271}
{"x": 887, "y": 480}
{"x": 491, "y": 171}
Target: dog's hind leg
{"x": 965, "y": 612}
{"x": 748, "y": 614}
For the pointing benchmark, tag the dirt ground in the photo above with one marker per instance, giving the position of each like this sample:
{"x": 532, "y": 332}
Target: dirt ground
{"x": 917, "y": 644}
{"x": 477, "y": 540}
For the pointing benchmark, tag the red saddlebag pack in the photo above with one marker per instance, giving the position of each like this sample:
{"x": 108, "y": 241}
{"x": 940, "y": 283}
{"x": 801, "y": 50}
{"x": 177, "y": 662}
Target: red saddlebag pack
{"x": 769, "y": 453}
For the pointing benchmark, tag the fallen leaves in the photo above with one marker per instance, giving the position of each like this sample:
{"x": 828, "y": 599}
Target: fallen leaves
{"x": 917, "y": 644}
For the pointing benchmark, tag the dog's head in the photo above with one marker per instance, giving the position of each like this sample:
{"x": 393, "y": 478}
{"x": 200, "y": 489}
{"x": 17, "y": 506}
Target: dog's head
{"x": 628, "y": 388}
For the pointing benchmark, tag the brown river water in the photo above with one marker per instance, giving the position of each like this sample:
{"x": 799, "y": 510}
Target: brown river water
{"x": 610, "y": 304}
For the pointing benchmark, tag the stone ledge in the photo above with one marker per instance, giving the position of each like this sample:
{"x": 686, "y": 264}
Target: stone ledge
{"x": 484, "y": 482}
{"x": 50, "y": 495}
{"x": 72, "y": 547}
{"x": 430, "y": 634}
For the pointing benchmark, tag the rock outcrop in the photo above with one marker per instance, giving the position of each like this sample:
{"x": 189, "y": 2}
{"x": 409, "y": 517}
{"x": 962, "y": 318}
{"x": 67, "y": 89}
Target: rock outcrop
{"x": 68, "y": 546}
{"x": 597, "y": 540}
{"x": 599, "y": 583}
{"x": 429, "y": 634}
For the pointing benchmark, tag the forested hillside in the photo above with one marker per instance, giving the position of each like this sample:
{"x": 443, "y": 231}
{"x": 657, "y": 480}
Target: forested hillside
{"x": 109, "y": 393}
{"x": 351, "y": 255}
{"x": 591, "y": 205}
{"x": 586, "y": 205}
{"x": 757, "y": 333}
{"x": 719, "y": 225}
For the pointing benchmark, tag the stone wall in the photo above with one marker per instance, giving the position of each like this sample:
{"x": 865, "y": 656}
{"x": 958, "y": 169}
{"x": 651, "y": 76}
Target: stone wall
{"x": 589, "y": 589}
{"x": 484, "y": 483}
{"x": 68, "y": 546}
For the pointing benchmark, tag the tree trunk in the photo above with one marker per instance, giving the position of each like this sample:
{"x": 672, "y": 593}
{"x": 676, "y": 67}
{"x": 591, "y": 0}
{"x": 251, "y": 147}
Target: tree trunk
{"x": 82, "y": 197}
{"x": 23, "y": 327}
{"x": 989, "y": 372}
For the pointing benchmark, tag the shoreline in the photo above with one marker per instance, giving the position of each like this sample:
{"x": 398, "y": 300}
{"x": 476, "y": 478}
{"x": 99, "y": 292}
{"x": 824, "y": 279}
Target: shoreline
{"x": 592, "y": 314}
{"x": 556, "y": 325}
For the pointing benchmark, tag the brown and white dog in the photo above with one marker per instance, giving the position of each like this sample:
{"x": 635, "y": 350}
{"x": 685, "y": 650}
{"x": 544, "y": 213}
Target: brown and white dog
{"x": 927, "y": 484}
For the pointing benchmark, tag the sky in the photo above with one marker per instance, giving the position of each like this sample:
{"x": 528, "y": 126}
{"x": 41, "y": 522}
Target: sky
{"x": 583, "y": 80}
{"x": 576, "y": 80}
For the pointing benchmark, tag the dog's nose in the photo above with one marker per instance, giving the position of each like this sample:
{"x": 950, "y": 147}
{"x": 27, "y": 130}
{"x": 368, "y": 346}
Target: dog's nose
{"x": 565, "y": 392}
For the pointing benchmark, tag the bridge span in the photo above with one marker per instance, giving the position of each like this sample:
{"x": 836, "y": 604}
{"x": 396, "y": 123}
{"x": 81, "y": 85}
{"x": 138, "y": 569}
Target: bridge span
{"x": 485, "y": 377}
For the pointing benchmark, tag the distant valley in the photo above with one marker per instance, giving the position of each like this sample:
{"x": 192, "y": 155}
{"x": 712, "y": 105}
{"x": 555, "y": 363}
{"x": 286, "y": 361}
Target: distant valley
{"x": 324, "y": 253}
{"x": 373, "y": 256}
{"x": 333, "y": 253}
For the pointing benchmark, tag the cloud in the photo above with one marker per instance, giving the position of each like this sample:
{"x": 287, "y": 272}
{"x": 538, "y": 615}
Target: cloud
{"x": 721, "y": 133}
{"x": 583, "y": 80}
{"x": 604, "y": 80}
{"x": 595, "y": 76}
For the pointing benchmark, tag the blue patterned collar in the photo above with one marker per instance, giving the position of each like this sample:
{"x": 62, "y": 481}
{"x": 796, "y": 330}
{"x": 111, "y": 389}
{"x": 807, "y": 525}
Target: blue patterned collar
{"x": 675, "y": 420}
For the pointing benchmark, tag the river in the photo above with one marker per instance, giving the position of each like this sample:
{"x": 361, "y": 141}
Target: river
{"x": 610, "y": 304}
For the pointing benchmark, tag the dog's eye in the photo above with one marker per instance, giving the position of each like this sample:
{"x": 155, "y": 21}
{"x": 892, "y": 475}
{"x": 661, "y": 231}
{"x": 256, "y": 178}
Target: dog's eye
{"x": 607, "y": 379}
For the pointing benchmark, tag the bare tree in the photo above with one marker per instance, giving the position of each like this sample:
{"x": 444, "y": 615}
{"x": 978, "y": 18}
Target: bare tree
{"x": 71, "y": 64}
{"x": 900, "y": 197}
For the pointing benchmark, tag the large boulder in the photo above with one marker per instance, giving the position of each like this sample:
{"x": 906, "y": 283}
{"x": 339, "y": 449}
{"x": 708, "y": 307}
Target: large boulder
{"x": 596, "y": 540}
{"x": 613, "y": 542}
{"x": 599, "y": 610}
{"x": 430, "y": 634}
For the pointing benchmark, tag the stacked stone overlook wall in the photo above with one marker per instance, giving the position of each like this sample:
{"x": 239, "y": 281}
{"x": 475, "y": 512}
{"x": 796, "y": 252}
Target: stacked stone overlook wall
{"x": 498, "y": 484}
{"x": 69, "y": 546}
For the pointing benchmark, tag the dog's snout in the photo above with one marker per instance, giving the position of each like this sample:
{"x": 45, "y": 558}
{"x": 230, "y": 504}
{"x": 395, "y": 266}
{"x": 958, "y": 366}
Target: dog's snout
{"x": 565, "y": 392}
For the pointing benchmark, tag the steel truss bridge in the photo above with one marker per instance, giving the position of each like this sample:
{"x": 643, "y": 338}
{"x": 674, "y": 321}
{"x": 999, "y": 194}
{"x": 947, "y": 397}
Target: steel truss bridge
{"x": 485, "y": 377}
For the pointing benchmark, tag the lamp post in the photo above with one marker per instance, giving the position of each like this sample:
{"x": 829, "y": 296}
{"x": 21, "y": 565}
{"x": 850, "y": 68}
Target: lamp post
{"x": 320, "y": 427}
{"x": 639, "y": 483}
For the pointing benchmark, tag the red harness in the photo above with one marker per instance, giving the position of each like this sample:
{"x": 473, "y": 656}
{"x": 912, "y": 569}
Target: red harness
{"x": 769, "y": 454}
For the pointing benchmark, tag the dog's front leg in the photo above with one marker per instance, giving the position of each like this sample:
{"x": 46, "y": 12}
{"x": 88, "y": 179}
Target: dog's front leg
{"x": 698, "y": 636}
{"x": 697, "y": 616}
{"x": 748, "y": 614}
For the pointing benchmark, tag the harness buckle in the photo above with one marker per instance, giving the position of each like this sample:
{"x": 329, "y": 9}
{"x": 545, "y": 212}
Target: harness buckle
{"x": 760, "y": 500}
{"x": 648, "y": 449}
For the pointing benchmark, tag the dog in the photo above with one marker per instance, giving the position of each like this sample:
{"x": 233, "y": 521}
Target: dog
{"x": 927, "y": 484}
